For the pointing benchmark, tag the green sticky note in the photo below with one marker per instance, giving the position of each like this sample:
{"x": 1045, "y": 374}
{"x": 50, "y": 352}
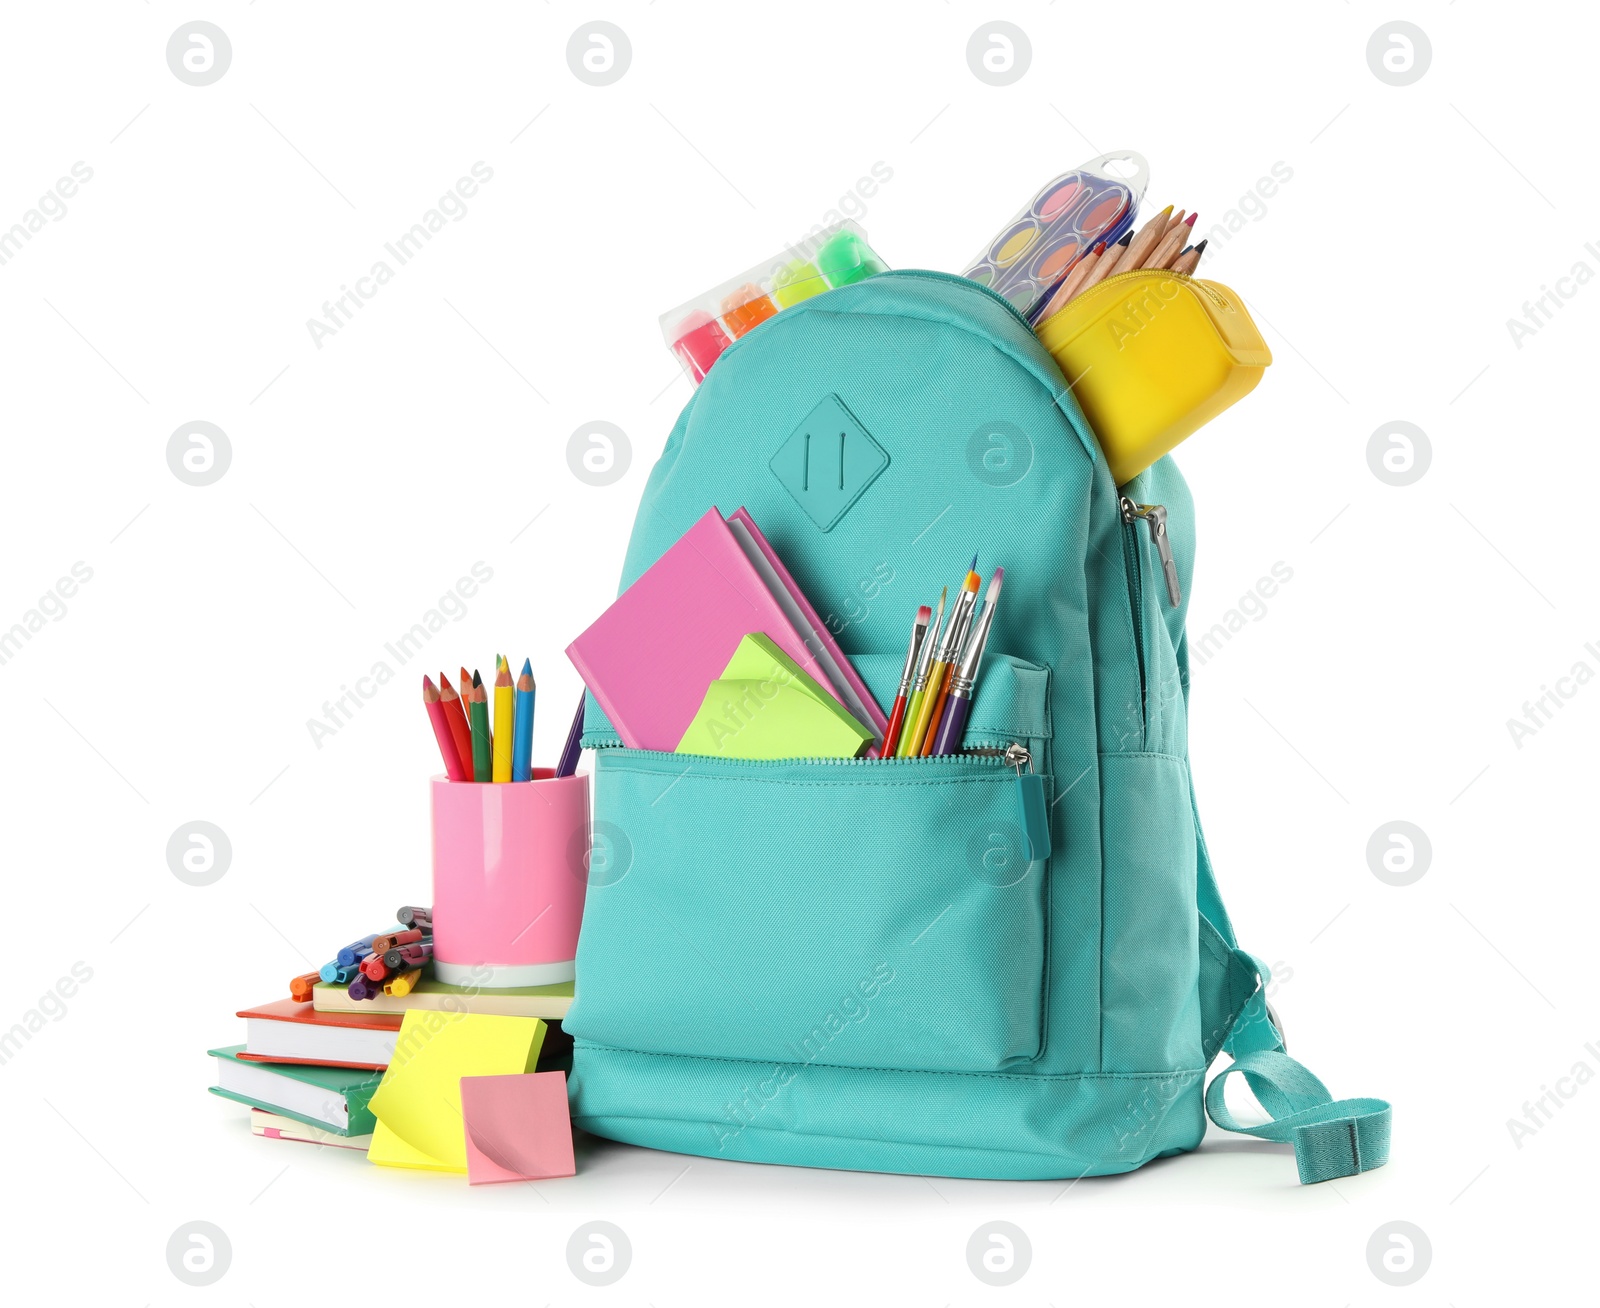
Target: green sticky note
{"x": 765, "y": 706}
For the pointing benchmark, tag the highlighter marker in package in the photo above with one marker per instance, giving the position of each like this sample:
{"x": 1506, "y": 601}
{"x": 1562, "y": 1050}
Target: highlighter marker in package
{"x": 699, "y": 331}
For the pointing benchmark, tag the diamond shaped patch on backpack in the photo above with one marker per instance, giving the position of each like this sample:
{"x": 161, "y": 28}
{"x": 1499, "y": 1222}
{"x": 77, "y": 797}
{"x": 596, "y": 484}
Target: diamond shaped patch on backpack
{"x": 828, "y": 461}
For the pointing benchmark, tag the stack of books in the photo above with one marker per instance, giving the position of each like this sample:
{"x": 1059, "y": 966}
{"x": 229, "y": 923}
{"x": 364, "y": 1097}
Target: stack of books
{"x": 308, "y": 1069}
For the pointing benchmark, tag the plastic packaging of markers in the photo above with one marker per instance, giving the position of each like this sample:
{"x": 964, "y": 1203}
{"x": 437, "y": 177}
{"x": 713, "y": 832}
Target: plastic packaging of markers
{"x": 698, "y": 332}
{"x": 1033, "y": 253}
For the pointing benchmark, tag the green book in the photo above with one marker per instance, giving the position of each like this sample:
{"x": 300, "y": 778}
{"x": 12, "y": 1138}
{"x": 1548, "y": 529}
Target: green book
{"x": 549, "y": 1003}
{"x": 333, "y": 1098}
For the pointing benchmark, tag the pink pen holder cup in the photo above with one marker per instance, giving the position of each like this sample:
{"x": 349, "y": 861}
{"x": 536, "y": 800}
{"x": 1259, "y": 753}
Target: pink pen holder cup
{"x": 508, "y": 879}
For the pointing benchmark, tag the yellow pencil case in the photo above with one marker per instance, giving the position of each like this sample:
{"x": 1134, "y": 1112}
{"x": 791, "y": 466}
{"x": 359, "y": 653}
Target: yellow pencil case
{"x": 1153, "y": 356}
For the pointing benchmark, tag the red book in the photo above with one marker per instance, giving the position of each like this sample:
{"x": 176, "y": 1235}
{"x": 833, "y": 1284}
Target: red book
{"x": 286, "y": 1032}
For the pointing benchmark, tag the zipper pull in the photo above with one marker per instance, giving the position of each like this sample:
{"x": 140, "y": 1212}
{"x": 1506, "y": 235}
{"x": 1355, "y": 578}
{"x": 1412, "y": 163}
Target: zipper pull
{"x": 1035, "y": 818}
{"x": 1155, "y": 515}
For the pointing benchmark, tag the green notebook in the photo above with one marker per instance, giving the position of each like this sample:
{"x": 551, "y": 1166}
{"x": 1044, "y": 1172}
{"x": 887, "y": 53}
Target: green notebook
{"x": 334, "y": 1098}
{"x": 547, "y": 1002}
{"x": 765, "y": 706}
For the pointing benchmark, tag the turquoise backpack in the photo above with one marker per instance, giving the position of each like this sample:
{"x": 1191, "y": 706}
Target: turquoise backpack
{"x": 901, "y": 966}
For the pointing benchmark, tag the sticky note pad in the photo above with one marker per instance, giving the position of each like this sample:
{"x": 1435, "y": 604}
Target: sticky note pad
{"x": 765, "y": 706}
{"x": 517, "y": 1128}
{"x": 418, "y": 1102}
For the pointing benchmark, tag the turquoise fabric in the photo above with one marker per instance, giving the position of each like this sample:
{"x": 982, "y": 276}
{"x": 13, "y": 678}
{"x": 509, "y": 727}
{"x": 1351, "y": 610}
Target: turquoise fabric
{"x": 856, "y": 964}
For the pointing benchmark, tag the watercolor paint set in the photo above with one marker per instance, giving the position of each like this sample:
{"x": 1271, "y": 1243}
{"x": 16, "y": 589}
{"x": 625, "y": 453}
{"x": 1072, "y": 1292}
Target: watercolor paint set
{"x": 1066, "y": 218}
{"x": 698, "y": 332}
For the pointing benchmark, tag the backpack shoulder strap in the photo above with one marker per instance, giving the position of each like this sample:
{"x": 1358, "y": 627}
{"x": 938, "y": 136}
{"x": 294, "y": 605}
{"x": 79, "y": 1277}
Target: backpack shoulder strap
{"x": 1331, "y": 1137}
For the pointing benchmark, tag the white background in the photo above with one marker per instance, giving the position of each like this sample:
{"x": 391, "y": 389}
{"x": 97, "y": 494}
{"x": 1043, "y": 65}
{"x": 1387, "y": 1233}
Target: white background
{"x": 369, "y": 474}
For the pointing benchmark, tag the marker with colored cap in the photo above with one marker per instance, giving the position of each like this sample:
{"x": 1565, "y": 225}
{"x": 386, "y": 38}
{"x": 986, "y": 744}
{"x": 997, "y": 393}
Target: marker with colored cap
{"x": 846, "y": 259}
{"x": 795, "y": 281}
{"x": 698, "y": 341}
{"x": 383, "y": 944}
{"x": 407, "y": 956}
{"x": 355, "y": 951}
{"x": 364, "y": 987}
{"x": 745, "y": 307}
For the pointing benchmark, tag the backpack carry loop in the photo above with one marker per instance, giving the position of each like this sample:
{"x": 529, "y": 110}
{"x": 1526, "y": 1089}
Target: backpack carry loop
{"x": 1331, "y": 1137}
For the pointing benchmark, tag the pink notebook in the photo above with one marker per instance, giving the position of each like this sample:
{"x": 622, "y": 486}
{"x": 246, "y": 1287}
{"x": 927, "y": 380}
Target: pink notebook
{"x": 841, "y": 678}
{"x": 649, "y": 658}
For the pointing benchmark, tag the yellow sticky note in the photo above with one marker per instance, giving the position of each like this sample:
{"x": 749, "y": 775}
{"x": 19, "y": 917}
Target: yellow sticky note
{"x": 765, "y": 706}
{"x": 418, "y": 1102}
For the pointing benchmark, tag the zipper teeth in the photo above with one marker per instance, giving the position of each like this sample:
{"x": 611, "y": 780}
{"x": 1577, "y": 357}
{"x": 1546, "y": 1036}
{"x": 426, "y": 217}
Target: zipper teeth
{"x": 924, "y": 274}
{"x": 1133, "y": 561}
{"x": 984, "y": 753}
{"x": 933, "y": 274}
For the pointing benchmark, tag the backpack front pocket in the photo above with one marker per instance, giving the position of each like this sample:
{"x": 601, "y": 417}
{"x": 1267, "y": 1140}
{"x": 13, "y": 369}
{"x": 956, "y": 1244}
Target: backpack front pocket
{"x": 869, "y": 914}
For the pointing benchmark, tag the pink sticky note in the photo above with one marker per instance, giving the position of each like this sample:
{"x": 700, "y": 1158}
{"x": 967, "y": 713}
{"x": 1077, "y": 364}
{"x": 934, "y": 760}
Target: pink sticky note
{"x": 518, "y": 1127}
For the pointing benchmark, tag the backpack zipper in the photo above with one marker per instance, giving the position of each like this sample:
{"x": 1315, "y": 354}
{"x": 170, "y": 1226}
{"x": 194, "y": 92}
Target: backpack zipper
{"x": 1013, "y": 754}
{"x": 1131, "y": 565}
{"x": 1155, "y": 516}
{"x": 934, "y": 275}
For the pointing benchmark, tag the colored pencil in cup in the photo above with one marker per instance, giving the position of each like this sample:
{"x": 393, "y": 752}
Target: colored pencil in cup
{"x": 455, "y": 717}
{"x": 441, "y": 731}
{"x": 482, "y": 738}
{"x": 504, "y": 716}
{"x": 897, "y": 715}
{"x": 456, "y": 704}
{"x": 574, "y": 746}
{"x": 522, "y": 745}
